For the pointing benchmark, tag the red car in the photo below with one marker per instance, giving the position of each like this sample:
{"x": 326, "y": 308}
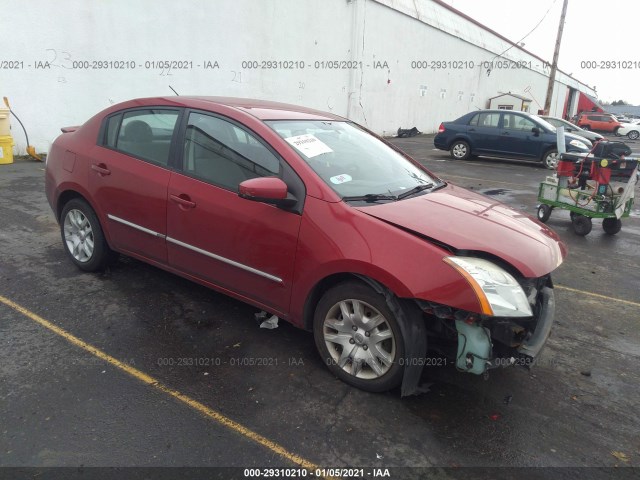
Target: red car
{"x": 312, "y": 218}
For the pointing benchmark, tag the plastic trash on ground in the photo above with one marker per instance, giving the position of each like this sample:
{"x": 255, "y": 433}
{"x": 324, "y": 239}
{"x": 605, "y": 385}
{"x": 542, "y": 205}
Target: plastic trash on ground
{"x": 269, "y": 323}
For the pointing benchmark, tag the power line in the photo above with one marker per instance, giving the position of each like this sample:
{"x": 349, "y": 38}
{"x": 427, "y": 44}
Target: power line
{"x": 532, "y": 30}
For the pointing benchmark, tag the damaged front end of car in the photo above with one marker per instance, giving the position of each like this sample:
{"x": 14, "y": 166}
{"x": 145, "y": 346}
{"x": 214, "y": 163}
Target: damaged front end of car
{"x": 515, "y": 319}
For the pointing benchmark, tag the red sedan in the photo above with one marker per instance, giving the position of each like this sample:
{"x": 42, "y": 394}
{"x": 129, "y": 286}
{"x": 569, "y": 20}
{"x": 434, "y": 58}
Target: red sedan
{"x": 314, "y": 219}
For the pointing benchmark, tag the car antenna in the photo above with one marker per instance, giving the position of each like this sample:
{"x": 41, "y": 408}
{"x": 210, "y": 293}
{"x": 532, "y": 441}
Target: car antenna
{"x": 177, "y": 94}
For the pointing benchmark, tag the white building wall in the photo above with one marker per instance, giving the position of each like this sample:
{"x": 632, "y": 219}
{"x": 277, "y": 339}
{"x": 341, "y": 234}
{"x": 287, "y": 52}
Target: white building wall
{"x": 41, "y": 62}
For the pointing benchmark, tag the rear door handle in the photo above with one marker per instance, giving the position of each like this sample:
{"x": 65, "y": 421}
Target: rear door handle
{"x": 101, "y": 168}
{"x": 183, "y": 200}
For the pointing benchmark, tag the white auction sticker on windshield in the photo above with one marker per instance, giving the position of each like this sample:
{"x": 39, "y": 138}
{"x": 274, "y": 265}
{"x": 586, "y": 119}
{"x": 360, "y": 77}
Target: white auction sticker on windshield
{"x": 338, "y": 179}
{"x": 309, "y": 145}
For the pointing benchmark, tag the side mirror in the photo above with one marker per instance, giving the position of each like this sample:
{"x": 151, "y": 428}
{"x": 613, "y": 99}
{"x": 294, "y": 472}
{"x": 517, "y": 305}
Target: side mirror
{"x": 269, "y": 190}
{"x": 535, "y": 131}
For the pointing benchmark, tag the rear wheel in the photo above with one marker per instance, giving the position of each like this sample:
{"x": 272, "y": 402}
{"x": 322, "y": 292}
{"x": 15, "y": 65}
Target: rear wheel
{"x": 585, "y": 127}
{"x": 544, "y": 212}
{"x": 550, "y": 159}
{"x": 633, "y": 134}
{"x": 359, "y": 338}
{"x": 82, "y": 236}
{"x": 581, "y": 225}
{"x": 460, "y": 150}
{"x": 611, "y": 226}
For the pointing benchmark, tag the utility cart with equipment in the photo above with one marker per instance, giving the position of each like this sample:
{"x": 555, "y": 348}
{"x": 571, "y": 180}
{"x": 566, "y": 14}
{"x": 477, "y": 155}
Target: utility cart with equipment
{"x": 599, "y": 184}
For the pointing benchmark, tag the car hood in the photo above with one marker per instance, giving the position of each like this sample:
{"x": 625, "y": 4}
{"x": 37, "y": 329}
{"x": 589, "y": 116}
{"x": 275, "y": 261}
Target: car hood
{"x": 465, "y": 220}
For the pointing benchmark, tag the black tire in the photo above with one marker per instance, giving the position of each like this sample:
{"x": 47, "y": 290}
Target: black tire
{"x": 329, "y": 313}
{"x": 611, "y": 226}
{"x": 581, "y": 225}
{"x": 100, "y": 254}
{"x": 550, "y": 159}
{"x": 615, "y": 131}
{"x": 460, "y": 150}
{"x": 544, "y": 212}
{"x": 633, "y": 134}
{"x": 585, "y": 127}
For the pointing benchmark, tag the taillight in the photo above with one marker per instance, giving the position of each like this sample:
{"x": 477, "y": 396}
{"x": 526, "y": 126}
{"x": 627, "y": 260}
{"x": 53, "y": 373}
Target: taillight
{"x": 441, "y": 128}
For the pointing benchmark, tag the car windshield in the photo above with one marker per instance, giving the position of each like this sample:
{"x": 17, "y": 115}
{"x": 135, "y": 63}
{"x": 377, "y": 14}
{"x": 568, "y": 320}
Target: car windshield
{"x": 354, "y": 163}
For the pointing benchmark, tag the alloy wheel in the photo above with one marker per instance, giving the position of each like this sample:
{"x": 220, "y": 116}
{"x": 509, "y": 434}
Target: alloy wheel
{"x": 359, "y": 339}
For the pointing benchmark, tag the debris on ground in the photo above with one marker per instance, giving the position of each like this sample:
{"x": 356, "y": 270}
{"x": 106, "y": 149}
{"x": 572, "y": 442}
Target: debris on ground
{"x": 507, "y": 400}
{"x": 408, "y": 132}
{"x": 620, "y": 456}
{"x": 268, "y": 323}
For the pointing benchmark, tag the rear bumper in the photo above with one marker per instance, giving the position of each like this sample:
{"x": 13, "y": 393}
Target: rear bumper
{"x": 440, "y": 142}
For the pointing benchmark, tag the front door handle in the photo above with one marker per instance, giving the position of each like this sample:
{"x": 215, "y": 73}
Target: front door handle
{"x": 101, "y": 168}
{"x": 183, "y": 200}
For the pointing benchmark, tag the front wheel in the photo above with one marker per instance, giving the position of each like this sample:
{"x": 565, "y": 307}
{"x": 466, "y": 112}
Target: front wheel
{"x": 550, "y": 159}
{"x": 611, "y": 226}
{"x": 633, "y": 134}
{"x": 359, "y": 338}
{"x": 82, "y": 236}
{"x": 581, "y": 225}
{"x": 544, "y": 212}
{"x": 460, "y": 150}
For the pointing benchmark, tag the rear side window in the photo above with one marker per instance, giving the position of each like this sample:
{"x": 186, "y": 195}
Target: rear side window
{"x": 145, "y": 134}
{"x": 488, "y": 119}
{"x": 111, "y": 134}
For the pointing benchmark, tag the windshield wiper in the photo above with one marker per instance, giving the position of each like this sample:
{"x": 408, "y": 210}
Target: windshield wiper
{"x": 370, "y": 197}
{"x": 416, "y": 189}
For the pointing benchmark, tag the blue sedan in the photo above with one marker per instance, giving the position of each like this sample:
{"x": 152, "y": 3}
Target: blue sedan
{"x": 505, "y": 133}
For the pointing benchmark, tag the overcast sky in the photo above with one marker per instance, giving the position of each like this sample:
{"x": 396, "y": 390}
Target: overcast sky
{"x": 595, "y": 31}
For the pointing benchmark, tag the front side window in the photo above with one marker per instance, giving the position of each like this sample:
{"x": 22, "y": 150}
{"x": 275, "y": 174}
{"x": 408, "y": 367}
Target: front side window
{"x": 219, "y": 152}
{"x": 351, "y": 161}
{"x": 517, "y": 122}
{"x": 145, "y": 134}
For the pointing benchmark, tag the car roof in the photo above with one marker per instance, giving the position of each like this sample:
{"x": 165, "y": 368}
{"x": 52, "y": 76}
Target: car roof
{"x": 261, "y": 109}
{"x": 504, "y": 111}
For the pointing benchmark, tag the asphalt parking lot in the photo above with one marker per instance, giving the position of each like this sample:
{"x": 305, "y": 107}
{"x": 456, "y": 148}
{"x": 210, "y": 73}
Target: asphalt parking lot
{"x": 138, "y": 367}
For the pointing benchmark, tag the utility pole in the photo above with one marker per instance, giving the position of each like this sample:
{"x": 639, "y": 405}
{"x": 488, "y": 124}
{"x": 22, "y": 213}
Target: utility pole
{"x": 554, "y": 65}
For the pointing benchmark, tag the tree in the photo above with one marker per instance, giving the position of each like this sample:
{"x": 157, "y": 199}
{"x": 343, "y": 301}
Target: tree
{"x": 619, "y": 102}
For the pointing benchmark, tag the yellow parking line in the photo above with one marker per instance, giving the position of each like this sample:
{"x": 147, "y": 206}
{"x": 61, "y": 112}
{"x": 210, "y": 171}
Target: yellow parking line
{"x": 149, "y": 380}
{"x": 597, "y": 295}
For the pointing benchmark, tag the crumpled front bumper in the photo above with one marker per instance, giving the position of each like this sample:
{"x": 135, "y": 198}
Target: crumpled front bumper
{"x": 534, "y": 344}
